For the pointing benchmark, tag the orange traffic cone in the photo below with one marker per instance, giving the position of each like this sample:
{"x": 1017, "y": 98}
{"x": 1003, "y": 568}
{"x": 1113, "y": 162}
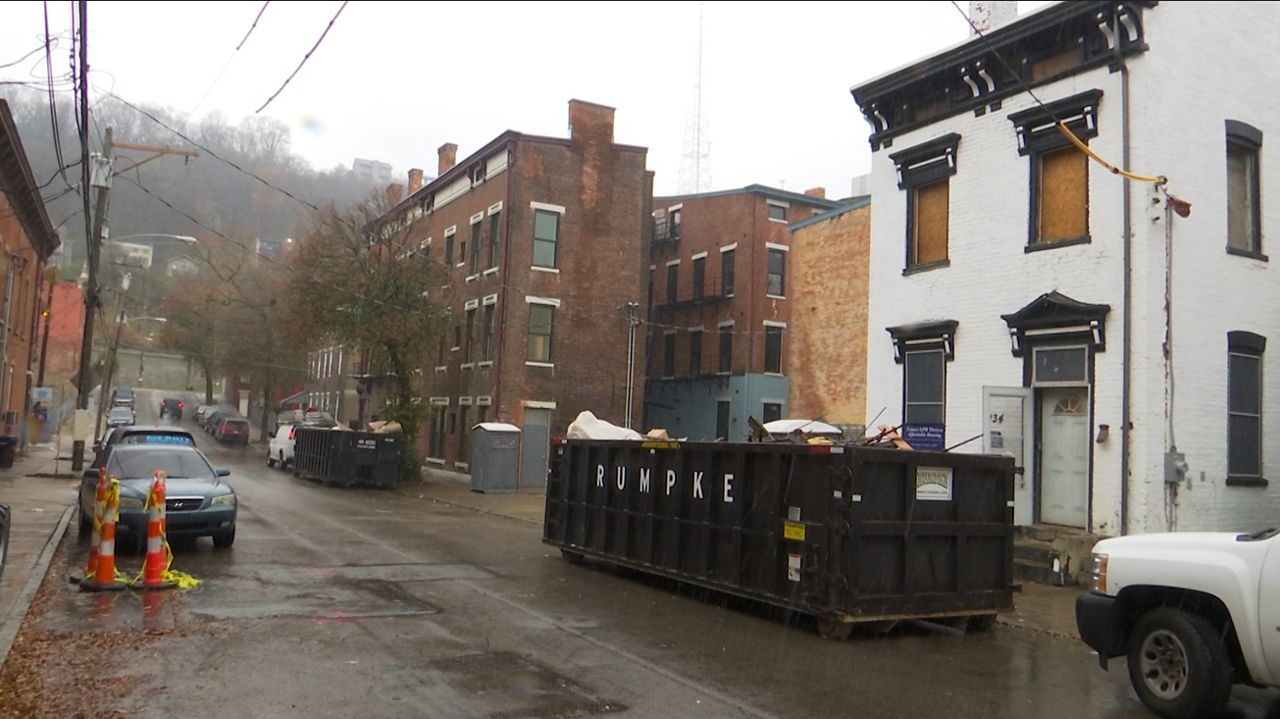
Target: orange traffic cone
{"x": 157, "y": 550}
{"x": 99, "y": 505}
{"x": 104, "y": 576}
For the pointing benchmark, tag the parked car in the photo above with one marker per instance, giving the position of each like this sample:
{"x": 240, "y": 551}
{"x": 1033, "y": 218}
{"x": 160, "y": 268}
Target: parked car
{"x": 201, "y": 412}
{"x": 120, "y": 417}
{"x": 172, "y": 407}
{"x": 280, "y": 449}
{"x": 138, "y": 434}
{"x": 122, "y": 397}
{"x": 212, "y": 419}
{"x": 233, "y": 430}
{"x": 198, "y": 503}
{"x": 1193, "y": 613}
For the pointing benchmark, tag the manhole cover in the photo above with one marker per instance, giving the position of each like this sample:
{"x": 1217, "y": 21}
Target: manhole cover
{"x": 506, "y": 685}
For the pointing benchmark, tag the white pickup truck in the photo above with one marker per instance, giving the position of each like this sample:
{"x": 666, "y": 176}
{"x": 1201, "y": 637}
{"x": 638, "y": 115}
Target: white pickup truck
{"x": 1194, "y": 613}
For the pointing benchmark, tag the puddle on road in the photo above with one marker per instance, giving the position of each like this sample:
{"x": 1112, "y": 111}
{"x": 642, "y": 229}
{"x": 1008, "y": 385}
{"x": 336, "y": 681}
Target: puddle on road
{"x": 324, "y": 594}
{"x": 506, "y": 684}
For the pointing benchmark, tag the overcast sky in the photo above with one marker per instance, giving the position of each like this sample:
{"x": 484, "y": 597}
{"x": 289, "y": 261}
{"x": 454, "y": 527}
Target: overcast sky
{"x": 393, "y": 81}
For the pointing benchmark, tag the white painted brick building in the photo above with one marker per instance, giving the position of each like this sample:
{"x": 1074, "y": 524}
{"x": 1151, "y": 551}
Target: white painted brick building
{"x": 1002, "y": 290}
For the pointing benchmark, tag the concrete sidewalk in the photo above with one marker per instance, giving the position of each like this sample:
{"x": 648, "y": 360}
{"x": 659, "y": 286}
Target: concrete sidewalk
{"x": 1038, "y": 607}
{"x": 40, "y": 492}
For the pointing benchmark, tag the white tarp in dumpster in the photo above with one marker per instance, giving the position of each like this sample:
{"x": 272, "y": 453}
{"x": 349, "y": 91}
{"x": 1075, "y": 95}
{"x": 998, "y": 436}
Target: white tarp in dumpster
{"x": 808, "y": 426}
{"x": 496, "y": 427}
{"x": 589, "y": 426}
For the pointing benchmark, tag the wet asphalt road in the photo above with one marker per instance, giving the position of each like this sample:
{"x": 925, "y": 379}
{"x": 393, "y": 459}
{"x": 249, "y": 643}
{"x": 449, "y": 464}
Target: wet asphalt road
{"x": 341, "y": 603}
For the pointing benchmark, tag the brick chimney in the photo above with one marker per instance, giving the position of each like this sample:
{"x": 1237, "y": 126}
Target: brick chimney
{"x": 818, "y": 192}
{"x": 987, "y": 15}
{"x": 394, "y": 192}
{"x": 448, "y": 158}
{"x": 415, "y": 180}
{"x": 590, "y": 123}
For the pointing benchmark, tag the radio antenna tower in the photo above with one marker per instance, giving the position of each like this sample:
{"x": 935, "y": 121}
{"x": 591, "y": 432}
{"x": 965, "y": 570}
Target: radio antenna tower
{"x": 695, "y": 163}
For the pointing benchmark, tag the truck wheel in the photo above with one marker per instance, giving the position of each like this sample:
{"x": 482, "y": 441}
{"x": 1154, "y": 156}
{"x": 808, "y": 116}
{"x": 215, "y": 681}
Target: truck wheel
{"x": 834, "y": 629}
{"x": 1178, "y": 665}
{"x": 572, "y": 557}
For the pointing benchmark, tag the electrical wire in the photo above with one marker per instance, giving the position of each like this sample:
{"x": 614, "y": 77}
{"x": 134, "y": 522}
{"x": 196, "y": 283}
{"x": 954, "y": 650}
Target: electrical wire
{"x": 24, "y": 57}
{"x": 304, "y": 59}
{"x": 230, "y": 59}
{"x": 254, "y": 25}
{"x": 1062, "y": 126}
{"x": 53, "y": 100}
{"x": 211, "y": 153}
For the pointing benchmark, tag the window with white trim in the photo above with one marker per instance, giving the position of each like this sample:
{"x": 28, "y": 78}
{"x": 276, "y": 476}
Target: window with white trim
{"x": 541, "y": 327}
{"x": 546, "y": 238}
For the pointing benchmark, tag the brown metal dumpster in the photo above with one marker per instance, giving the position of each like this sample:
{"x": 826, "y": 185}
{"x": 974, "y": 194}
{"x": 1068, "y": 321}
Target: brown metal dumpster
{"x": 846, "y": 533}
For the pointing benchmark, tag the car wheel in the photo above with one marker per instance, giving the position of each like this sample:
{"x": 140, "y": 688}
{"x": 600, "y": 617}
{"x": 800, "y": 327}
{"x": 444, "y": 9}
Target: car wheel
{"x": 271, "y": 461}
{"x": 86, "y": 523}
{"x": 225, "y": 539}
{"x": 1178, "y": 665}
{"x": 283, "y": 463}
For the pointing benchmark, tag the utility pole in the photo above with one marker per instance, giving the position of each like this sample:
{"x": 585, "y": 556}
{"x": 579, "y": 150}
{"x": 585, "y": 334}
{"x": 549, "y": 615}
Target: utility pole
{"x": 102, "y": 181}
{"x": 113, "y": 351}
{"x": 633, "y": 321}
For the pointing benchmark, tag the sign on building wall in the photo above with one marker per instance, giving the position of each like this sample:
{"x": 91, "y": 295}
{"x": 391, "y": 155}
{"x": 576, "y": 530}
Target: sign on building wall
{"x": 926, "y": 436}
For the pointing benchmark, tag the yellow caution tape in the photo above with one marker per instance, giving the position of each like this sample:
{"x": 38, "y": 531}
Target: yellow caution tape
{"x": 1155, "y": 180}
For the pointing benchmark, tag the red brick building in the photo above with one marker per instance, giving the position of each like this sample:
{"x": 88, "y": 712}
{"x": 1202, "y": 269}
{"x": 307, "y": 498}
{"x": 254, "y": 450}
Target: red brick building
{"x": 26, "y": 240}
{"x": 66, "y": 327}
{"x": 719, "y": 284}
{"x": 544, "y": 241}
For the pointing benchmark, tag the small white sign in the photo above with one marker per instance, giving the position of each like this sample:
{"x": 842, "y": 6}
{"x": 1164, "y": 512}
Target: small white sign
{"x": 82, "y": 425}
{"x": 41, "y": 394}
{"x": 933, "y": 484}
{"x": 793, "y": 567}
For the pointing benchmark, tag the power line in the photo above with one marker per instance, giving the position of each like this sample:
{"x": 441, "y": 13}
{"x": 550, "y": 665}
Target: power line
{"x": 53, "y": 100}
{"x": 305, "y": 58}
{"x": 230, "y": 59}
{"x": 1159, "y": 180}
{"x": 24, "y": 57}
{"x": 211, "y": 153}
{"x": 255, "y": 24}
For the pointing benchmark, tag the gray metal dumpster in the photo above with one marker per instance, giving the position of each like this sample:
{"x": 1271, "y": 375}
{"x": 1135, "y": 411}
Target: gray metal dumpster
{"x": 495, "y": 457}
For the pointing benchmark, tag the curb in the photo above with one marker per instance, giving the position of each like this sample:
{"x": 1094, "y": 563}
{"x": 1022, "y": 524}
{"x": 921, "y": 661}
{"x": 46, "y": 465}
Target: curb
{"x": 472, "y": 508}
{"x": 13, "y": 622}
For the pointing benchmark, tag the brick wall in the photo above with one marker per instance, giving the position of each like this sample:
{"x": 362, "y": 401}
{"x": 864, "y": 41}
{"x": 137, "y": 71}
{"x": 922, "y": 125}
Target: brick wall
{"x": 826, "y": 358}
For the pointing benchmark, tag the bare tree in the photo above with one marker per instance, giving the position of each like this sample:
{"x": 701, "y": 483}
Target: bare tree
{"x": 359, "y": 280}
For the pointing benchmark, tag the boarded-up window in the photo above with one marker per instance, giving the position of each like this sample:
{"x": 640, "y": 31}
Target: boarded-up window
{"x": 924, "y": 171}
{"x": 930, "y": 208}
{"x": 1062, "y": 195}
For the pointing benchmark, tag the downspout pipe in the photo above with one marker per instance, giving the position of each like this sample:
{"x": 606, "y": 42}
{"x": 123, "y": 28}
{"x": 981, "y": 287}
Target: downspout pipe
{"x": 1127, "y": 352}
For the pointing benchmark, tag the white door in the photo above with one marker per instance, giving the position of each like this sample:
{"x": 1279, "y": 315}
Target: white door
{"x": 1064, "y": 455}
{"x": 1006, "y": 413}
{"x": 1269, "y": 604}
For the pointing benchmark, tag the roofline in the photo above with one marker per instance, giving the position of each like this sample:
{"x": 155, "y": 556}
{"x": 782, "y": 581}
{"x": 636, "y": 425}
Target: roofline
{"x": 754, "y": 189}
{"x": 25, "y": 197}
{"x": 854, "y": 203}
{"x": 507, "y": 137}
{"x": 953, "y": 49}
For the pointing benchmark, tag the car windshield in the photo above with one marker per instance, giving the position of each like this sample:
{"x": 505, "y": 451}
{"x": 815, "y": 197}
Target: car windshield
{"x": 142, "y": 463}
{"x": 122, "y": 413}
